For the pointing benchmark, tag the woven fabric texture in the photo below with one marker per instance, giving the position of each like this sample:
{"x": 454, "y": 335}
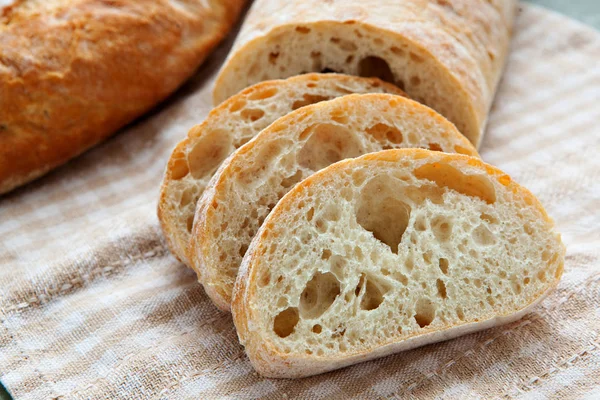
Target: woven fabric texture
{"x": 93, "y": 306}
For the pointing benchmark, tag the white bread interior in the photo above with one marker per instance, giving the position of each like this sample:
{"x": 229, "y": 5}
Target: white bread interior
{"x": 256, "y": 176}
{"x": 230, "y": 125}
{"x": 387, "y": 252}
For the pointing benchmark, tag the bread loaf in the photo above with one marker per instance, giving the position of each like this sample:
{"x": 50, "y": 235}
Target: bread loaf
{"x": 227, "y": 127}
{"x": 386, "y": 252}
{"x": 72, "y": 72}
{"x": 447, "y": 54}
{"x": 257, "y": 175}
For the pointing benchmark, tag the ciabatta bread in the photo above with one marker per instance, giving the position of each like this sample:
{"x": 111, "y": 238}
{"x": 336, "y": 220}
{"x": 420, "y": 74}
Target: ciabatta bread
{"x": 447, "y": 54}
{"x": 256, "y": 176}
{"x": 387, "y": 252}
{"x": 230, "y": 125}
{"x": 72, "y": 72}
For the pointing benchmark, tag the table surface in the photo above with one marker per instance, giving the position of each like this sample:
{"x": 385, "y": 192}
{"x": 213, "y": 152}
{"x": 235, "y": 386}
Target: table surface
{"x": 587, "y": 11}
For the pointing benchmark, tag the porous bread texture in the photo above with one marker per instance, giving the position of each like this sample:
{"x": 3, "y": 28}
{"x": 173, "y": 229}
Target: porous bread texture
{"x": 447, "y": 54}
{"x": 387, "y": 252}
{"x": 72, "y": 72}
{"x": 256, "y": 176}
{"x": 230, "y": 125}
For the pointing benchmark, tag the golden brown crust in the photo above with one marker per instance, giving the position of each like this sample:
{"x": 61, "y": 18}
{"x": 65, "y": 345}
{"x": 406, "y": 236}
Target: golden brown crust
{"x": 69, "y": 80}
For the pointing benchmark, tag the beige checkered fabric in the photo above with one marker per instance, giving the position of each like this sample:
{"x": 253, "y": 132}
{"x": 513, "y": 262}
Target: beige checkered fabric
{"x": 93, "y": 306}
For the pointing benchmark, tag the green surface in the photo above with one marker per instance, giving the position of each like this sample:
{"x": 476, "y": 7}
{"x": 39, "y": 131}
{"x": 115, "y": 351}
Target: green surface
{"x": 587, "y": 11}
{"x": 4, "y": 394}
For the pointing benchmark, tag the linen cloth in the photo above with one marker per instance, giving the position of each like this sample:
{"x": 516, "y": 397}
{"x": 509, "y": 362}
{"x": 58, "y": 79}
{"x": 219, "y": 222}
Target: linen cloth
{"x": 93, "y": 305}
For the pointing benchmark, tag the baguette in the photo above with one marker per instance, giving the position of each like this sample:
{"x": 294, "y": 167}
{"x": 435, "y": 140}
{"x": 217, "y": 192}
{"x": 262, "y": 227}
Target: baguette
{"x": 257, "y": 175}
{"x": 227, "y": 127}
{"x": 72, "y": 72}
{"x": 447, "y": 54}
{"x": 388, "y": 252}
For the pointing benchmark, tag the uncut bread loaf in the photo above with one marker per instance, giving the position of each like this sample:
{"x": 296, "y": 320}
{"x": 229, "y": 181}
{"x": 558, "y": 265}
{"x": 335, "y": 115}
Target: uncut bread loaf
{"x": 257, "y": 175}
{"x": 230, "y": 125}
{"x": 387, "y": 252}
{"x": 447, "y": 54}
{"x": 72, "y": 72}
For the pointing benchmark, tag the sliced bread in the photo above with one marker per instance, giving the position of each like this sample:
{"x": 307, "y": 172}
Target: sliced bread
{"x": 230, "y": 125}
{"x": 256, "y": 176}
{"x": 387, "y": 252}
{"x": 447, "y": 54}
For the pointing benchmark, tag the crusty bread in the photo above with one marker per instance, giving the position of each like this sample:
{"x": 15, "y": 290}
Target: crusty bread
{"x": 230, "y": 125}
{"x": 257, "y": 175}
{"x": 447, "y": 54}
{"x": 72, "y": 72}
{"x": 387, "y": 252}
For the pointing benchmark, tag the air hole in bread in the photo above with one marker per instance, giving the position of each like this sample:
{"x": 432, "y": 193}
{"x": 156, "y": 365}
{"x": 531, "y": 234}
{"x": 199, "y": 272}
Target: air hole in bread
{"x": 482, "y": 236}
{"x": 372, "y": 293}
{"x": 415, "y": 81}
{"x": 317, "y": 329}
{"x": 308, "y": 99}
{"x": 420, "y": 224}
{"x": 263, "y": 94}
{"x": 318, "y": 295}
{"x": 516, "y": 286}
{"x": 326, "y": 145}
{"x": 443, "y": 264}
{"x": 208, "y": 152}
{"x": 302, "y": 29}
{"x": 189, "y": 222}
{"x": 337, "y": 265}
{"x": 382, "y": 213}
{"x": 316, "y": 59}
{"x": 490, "y": 219}
{"x": 449, "y": 177}
{"x": 252, "y": 114}
{"x": 441, "y": 287}
{"x": 460, "y": 313}
{"x": 265, "y": 278}
{"x": 442, "y": 228}
{"x": 435, "y": 147}
{"x": 291, "y": 180}
{"x": 187, "y": 197}
{"x": 243, "y": 249}
{"x": 310, "y": 213}
{"x": 325, "y": 254}
{"x": 273, "y": 57}
{"x": 416, "y": 58}
{"x": 425, "y": 312}
{"x": 339, "y": 116}
{"x": 179, "y": 169}
{"x": 382, "y": 132}
{"x": 344, "y": 44}
{"x": 397, "y": 50}
{"x": 373, "y": 66}
{"x": 286, "y": 321}
{"x": 237, "y": 105}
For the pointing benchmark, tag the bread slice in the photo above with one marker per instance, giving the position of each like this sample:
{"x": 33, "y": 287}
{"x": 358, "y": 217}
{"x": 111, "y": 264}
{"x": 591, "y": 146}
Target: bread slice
{"x": 447, "y": 54}
{"x": 230, "y": 125}
{"x": 73, "y": 72}
{"x": 387, "y": 252}
{"x": 256, "y": 176}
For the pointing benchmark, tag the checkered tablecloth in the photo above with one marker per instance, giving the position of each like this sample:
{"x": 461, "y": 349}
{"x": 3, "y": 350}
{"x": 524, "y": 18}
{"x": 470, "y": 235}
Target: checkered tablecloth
{"x": 93, "y": 306}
